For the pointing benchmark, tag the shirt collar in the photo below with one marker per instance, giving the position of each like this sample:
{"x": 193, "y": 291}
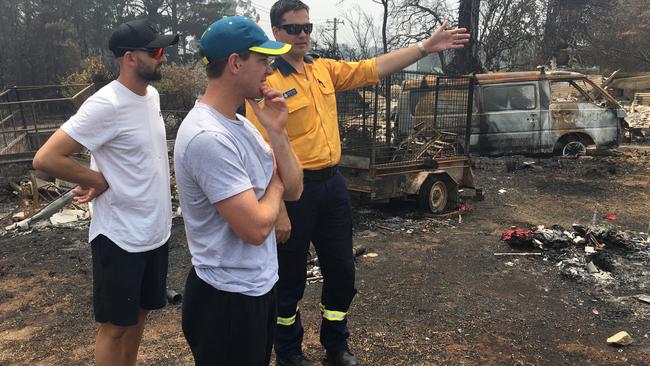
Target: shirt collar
{"x": 285, "y": 67}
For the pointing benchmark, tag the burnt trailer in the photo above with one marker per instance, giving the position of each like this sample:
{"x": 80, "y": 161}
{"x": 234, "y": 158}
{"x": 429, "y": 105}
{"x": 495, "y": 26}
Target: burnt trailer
{"x": 30, "y": 114}
{"x": 429, "y": 164}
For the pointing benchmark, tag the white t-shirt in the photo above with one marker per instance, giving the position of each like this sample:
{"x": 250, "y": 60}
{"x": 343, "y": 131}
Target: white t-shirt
{"x": 125, "y": 134}
{"x": 216, "y": 158}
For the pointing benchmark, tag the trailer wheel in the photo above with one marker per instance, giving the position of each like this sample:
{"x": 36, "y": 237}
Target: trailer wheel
{"x": 436, "y": 195}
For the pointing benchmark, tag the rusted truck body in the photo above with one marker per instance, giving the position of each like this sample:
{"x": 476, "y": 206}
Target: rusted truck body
{"x": 534, "y": 113}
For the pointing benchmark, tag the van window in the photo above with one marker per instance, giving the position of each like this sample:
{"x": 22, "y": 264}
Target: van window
{"x": 415, "y": 96}
{"x": 568, "y": 92}
{"x": 509, "y": 97}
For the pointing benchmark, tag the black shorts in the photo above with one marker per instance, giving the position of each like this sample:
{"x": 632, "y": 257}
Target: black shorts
{"x": 124, "y": 282}
{"x": 227, "y": 328}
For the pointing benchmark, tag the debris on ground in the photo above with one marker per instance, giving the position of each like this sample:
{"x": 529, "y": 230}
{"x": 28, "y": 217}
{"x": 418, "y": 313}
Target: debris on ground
{"x": 605, "y": 254}
{"x": 638, "y": 119}
{"x": 313, "y": 267}
{"x": 620, "y": 339}
{"x": 173, "y": 297}
{"x": 644, "y": 298}
{"x": 45, "y": 213}
{"x": 68, "y": 216}
{"x": 516, "y": 254}
{"x": 368, "y": 221}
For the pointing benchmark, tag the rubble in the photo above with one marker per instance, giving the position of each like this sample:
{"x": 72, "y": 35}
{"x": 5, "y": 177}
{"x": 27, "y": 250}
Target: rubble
{"x": 173, "y": 297}
{"x": 68, "y": 216}
{"x": 638, "y": 117}
{"x": 603, "y": 254}
{"x": 591, "y": 268}
{"x": 620, "y": 339}
{"x": 45, "y": 213}
{"x": 313, "y": 266}
{"x": 644, "y": 298}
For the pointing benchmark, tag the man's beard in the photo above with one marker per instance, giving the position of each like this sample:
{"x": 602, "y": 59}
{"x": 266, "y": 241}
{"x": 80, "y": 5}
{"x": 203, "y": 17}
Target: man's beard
{"x": 152, "y": 74}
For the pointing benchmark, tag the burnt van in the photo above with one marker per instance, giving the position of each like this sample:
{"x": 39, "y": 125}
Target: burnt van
{"x": 537, "y": 112}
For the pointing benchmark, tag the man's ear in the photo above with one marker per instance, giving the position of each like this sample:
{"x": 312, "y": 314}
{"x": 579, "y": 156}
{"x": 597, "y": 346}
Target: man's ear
{"x": 275, "y": 31}
{"x": 234, "y": 63}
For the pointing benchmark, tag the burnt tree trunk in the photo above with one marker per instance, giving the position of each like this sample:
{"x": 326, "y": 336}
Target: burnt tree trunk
{"x": 466, "y": 60}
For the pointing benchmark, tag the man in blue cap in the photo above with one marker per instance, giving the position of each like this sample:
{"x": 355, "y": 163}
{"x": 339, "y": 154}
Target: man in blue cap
{"x": 231, "y": 185}
{"x": 323, "y": 215}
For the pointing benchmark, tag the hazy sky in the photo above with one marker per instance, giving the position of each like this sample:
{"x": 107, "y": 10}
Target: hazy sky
{"x": 319, "y": 12}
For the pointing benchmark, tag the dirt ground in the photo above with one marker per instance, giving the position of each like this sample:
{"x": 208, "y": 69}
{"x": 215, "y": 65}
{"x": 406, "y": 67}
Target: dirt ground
{"x": 435, "y": 294}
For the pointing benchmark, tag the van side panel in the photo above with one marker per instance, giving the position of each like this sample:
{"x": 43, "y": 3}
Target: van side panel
{"x": 508, "y": 121}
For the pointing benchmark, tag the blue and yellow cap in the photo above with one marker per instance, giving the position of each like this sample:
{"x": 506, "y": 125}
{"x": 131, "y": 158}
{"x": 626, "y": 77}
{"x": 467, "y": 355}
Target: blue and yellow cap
{"x": 234, "y": 34}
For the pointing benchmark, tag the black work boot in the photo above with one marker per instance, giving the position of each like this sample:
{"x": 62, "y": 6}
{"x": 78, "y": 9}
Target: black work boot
{"x": 293, "y": 360}
{"x": 341, "y": 358}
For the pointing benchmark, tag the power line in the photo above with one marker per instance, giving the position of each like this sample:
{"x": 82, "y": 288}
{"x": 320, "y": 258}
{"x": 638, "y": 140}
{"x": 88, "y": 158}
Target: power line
{"x": 336, "y": 22}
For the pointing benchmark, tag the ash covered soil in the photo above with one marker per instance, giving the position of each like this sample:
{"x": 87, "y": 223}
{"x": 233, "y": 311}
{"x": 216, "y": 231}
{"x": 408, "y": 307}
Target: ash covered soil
{"x": 434, "y": 294}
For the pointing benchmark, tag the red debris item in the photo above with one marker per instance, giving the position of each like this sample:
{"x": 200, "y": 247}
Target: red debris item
{"x": 611, "y": 217}
{"x": 516, "y": 233}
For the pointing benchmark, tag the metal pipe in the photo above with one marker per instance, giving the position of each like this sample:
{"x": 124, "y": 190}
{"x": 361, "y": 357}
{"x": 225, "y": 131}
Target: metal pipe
{"x": 173, "y": 297}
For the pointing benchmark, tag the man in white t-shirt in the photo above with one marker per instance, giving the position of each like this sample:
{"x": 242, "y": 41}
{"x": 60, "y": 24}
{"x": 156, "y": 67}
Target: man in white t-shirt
{"x": 230, "y": 194}
{"x": 128, "y": 182}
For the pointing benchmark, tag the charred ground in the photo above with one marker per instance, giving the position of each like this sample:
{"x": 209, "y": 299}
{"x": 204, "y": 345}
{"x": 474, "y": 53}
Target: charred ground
{"x": 434, "y": 295}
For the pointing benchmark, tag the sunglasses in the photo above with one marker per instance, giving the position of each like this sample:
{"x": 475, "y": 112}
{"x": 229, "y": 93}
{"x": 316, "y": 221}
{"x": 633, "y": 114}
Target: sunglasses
{"x": 155, "y": 53}
{"x": 295, "y": 29}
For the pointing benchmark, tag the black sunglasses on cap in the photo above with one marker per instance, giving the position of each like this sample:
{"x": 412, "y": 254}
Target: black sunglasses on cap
{"x": 295, "y": 29}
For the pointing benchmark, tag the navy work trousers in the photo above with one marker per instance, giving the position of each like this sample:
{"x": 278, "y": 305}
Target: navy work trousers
{"x": 323, "y": 216}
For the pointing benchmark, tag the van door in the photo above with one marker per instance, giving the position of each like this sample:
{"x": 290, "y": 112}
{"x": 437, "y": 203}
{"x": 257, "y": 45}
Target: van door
{"x": 578, "y": 109}
{"x": 508, "y": 119}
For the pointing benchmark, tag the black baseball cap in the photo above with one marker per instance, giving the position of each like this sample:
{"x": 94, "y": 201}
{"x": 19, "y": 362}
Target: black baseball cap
{"x": 138, "y": 34}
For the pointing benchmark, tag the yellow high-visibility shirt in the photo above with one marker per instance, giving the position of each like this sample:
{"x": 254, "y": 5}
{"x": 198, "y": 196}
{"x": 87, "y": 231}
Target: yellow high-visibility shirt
{"x": 313, "y": 127}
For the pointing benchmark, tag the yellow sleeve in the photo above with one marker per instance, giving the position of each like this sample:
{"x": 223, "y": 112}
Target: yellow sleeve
{"x": 253, "y": 118}
{"x": 349, "y": 75}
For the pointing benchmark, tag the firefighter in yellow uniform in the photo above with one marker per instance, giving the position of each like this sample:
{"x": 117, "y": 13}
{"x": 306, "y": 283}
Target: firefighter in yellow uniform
{"x": 323, "y": 214}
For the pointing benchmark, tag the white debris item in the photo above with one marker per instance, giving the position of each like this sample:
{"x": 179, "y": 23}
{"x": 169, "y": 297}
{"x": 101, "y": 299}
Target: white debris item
{"x": 644, "y": 298}
{"x": 67, "y": 216}
{"x": 621, "y": 339}
{"x": 591, "y": 268}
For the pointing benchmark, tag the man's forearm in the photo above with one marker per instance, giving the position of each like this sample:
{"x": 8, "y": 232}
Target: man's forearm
{"x": 270, "y": 202}
{"x": 397, "y": 60}
{"x": 289, "y": 167}
{"x": 68, "y": 169}
{"x": 55, "y": 159}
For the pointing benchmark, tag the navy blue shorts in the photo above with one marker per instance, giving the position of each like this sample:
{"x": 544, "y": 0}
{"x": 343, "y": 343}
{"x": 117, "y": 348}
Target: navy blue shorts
{"x": 124, "y": 282}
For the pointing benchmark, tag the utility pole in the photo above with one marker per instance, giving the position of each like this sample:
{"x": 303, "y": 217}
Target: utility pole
{"x": 335, "y": 23}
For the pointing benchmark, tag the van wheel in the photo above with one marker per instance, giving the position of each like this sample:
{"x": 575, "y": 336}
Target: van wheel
{"x": 435, "y": 195}
{"x": 574, "y": 147}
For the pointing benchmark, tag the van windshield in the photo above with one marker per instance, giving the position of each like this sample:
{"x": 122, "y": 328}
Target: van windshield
{"x": 578, "y": 91}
